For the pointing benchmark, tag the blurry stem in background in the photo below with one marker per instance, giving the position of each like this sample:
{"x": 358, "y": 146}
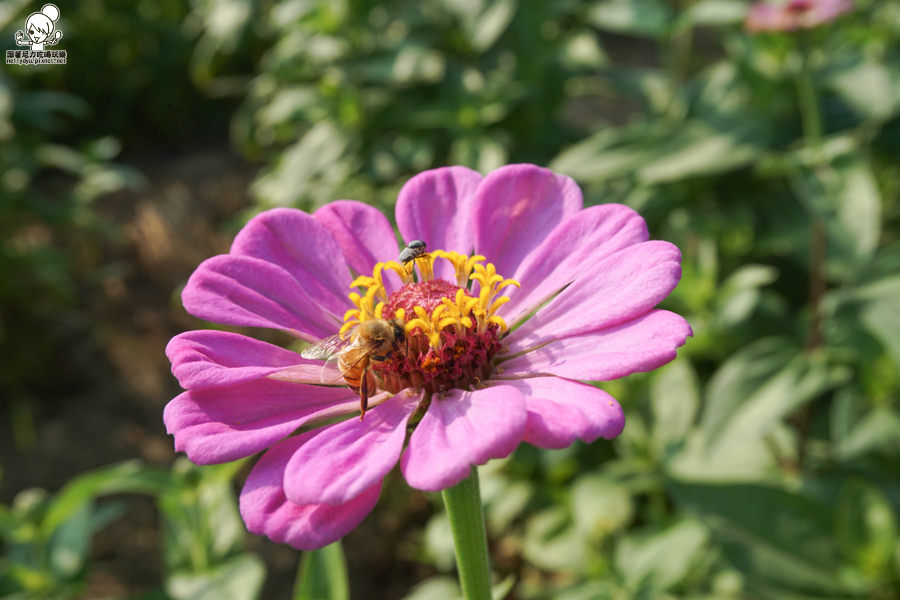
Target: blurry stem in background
{"x": 811, "y": 118}
{"x": 463, "y": 504}
{"x": 809, "y": 103}
{"x": 24, "y": 434}
{"x": 680, "y": 47}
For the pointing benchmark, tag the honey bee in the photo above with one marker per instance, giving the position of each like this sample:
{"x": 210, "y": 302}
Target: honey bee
{"x": 413, "y": 250}
{"x": 370, "y": 343}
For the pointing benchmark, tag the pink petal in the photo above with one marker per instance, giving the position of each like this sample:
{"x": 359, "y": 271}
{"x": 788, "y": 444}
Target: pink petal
{"x": 562, "y": 411}
{"x": 223, "y": 424}
{"x": 515, "y": 208}
{"x": 639, "y": 345}
{"x": 344, "y": 460}
{"x": 461, "y": 429}
{"x": 363, "y": 233}
{"x": 585, "y": 238}
{"x": 304, "y": 248}
{"x": 204, "y": 359}
{"x": 240, "y": 290}
{"x": 621, "y": 287}
{"x": 267, "y": 511}
{"x": 435, "y": 206}
{"x": 766, "y": 17}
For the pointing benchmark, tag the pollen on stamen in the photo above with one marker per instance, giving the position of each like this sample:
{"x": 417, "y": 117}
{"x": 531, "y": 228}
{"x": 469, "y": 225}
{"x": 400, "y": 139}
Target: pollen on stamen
{"x": 452, "y": 332}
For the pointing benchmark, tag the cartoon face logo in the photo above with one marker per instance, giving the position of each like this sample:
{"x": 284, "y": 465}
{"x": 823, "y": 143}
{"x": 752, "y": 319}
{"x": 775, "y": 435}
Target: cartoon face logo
{"x": 39, "y": 29}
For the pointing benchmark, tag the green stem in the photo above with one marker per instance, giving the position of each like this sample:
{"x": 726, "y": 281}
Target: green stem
{"x": 810, "y": 116}
{"x": 811, "y": 119}
{"x": 680, "y": 49}
{"x": 463, "y": 503}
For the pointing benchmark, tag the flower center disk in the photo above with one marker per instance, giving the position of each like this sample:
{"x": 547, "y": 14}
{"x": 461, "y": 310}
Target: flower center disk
{"x": 451, "y": 330}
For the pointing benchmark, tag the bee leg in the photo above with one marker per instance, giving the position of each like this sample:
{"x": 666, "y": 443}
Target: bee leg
{"x": 363, "y": 394}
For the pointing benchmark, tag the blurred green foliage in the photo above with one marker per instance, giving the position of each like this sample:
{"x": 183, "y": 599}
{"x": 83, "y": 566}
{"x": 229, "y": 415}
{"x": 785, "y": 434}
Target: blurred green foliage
{"x": 760, "y": 464}
{"x": 47, "y": 539}
{"x": 353, "y": 97}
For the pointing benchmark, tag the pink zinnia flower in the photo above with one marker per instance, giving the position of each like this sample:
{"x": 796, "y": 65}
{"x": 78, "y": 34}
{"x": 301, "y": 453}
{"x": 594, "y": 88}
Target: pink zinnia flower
{"x": 480, "y": 363}
{"x": 794, "y": 14}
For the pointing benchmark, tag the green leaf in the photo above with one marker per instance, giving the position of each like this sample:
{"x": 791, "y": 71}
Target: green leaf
{"x": 323, "y": 575}
{"x": 600, "y": 506}
{"x": 701, "y": 148}
{"x": 287, "y": 105}
{"x": 239, "y": 578}
{"x": 880, "y": 428}
{"x": 200, "y": 516}
{"x": 880, "y": 316}
{"x": 477, "y": 152}
{"x": 855, "y": 228}
{"x": 439, "y": 542}
{"x": 490, "y": 24}
{"x": 659, "y": 561}
{"x": 757, "y": 387}
{"x": 866, "y": 528}
{"x": 503, "y": 508}
{"x": 675, "y": 400}
{"x": 435, "y": 588}
{"x": 772, "y": 536}
{"x": 71, "y": 542}
{"x": 501, "y": 589}
{"x": 649, "y": 18}
{"x": 870, "y": 87}
{"x": 607, "y": 154}
{"x": 552, "y": 542}
{"x": 309, "y": 169}
{"x": 749, "y": 460}
{"x": 127, "y": 477}
{"x": 9, "y": 11}
{"x": 713, "y": 13}
{"x": 740, "y": 293}
{"x": 592, "y": 590}
{"x": 410, "y": 63}
{"x": 582, "y": 51}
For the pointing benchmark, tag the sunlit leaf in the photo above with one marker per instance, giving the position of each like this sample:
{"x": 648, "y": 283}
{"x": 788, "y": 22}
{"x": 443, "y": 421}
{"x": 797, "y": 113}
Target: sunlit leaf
{"x": 636, "y": 17}
{"x": 870, "y": 87}
{"x": 880, "y": 428}
{"x": 239, "y": 578}
{"x": 435, "y": 588}
{"x": 675, "y": 399}
{"x": 757, "y": 387}
{"x": 713, "y": 13}
{"x": 489, "y": 26}
{"x": 740, "y": 293}
{"x": 439, "y": 542}
{"x": 552, "y": 542}
{"x": 700, "y": 148}
{"x": 600, "y": 506}
{"x": 659, "y": 561}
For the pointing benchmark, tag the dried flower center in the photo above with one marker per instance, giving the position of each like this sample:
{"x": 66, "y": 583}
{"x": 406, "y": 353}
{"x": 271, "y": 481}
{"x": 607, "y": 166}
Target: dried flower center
{"x": 799, "y": 6}
{"x": 451, "y": 329}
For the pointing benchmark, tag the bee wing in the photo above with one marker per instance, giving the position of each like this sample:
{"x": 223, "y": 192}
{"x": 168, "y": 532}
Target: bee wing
{"x": 328, "y": 348}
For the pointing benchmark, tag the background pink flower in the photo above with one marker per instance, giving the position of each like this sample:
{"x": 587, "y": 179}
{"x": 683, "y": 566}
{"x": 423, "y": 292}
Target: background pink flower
{"x": 592, "y": 271}
{"x": 794, "y": 14}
